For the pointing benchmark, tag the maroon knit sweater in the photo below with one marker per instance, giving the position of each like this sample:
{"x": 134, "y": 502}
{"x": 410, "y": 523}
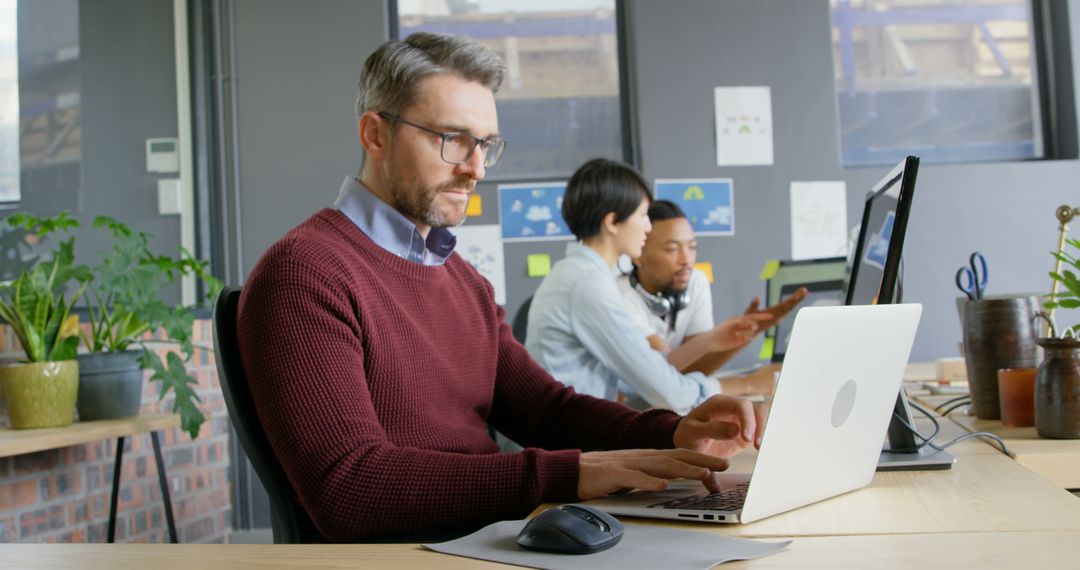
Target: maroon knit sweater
{"x": 375, "y": 378}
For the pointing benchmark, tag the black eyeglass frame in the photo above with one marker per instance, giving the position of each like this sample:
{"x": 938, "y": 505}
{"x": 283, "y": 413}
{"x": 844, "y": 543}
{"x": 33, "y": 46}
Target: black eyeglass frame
{"x": 490, "y": 159}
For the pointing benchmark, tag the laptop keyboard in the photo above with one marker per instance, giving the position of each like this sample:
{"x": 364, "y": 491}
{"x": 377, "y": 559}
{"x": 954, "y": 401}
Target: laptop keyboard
{"x": 726, "y": 500}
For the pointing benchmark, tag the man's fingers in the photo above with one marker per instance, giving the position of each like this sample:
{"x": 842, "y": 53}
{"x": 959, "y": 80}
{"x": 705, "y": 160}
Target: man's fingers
{"x": 638, "y": 480}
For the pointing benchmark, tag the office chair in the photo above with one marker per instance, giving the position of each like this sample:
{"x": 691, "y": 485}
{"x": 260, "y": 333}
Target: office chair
{"x": 521, "y": 320}
{"x": 287, "y": 518}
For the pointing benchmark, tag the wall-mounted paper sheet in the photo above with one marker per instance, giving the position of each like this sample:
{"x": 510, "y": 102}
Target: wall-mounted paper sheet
{"x": 818, "y": 219}
{"x": 743, "y": 126}
{"x": 709, "y": 204}
{"x": 482, "y": 248}
{"x": 532, "y": 212}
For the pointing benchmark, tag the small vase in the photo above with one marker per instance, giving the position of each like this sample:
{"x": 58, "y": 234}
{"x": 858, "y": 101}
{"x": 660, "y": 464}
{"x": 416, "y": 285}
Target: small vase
{"x": 40, "y": 394}
{"x": 998, "y": 333}
{"x": 1057, "y": 389}
{"x": 110, "y": 385}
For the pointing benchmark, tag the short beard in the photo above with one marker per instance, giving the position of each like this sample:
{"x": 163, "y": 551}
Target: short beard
{"x": 420, "y": 205}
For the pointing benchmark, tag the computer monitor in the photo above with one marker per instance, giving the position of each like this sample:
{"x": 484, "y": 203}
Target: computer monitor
{"x": 875, "y": 264}
{"x": 873, "y": 278}
{"x": 823, "y": 279}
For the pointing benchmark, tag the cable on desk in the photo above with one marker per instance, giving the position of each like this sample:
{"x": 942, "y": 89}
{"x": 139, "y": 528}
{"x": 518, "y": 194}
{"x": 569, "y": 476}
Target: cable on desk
{"x": 956, "y": 406}
{"x": 955, "y": 441}
{"x": 950, "y": 401}
{"x": 912, "y": 429}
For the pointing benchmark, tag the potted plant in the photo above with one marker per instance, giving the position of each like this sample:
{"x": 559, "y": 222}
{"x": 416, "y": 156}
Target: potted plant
{"x": 125, "y": 307}
{"x": 1057, "y": 383}
{"x": 124, "y": 304}
{"x": 41, "y": 391}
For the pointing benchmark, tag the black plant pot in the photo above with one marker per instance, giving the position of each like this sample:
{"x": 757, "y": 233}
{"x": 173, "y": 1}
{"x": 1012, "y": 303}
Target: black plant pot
{"x": 110, "y": 385}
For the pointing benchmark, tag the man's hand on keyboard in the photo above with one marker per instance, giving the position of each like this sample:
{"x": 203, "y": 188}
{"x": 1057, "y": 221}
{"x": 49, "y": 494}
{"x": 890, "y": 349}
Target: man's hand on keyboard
{"x": 604, "y": 472}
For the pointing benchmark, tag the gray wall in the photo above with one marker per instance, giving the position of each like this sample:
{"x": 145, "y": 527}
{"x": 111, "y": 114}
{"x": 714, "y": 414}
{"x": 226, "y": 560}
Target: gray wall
{"x": 684, "y": 49}
{"x": 128, "y": 95}
{"x": 297, "y": 67}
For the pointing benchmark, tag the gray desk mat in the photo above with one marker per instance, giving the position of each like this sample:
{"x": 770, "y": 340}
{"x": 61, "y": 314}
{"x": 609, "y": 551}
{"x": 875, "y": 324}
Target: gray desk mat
{"x": 642, "y": 546}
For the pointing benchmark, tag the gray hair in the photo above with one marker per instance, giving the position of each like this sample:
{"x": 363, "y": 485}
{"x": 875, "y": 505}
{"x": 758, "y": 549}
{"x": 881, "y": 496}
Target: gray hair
{"x": 391, "y": 74}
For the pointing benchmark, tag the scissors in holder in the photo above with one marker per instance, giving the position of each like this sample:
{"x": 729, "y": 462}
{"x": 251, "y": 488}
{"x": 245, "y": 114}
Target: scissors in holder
{"x": 971, "y": 280}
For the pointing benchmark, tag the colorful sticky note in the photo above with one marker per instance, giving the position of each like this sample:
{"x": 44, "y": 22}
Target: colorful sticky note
{"x": 475, "y": 207}
{"x": 767, "y": 348}
{"x": 770, "y": 269}
{"x": 706, "y": 268}
{"x": 539, "y": 264}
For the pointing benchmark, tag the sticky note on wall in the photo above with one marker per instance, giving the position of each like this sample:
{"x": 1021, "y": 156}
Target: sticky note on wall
{"x": 539, "y": 264}
{"x": 475, "y": 207}
{"x": 767, "y": 348}
{"x": 770, "y": 269}
{"x": 706, "y": 268}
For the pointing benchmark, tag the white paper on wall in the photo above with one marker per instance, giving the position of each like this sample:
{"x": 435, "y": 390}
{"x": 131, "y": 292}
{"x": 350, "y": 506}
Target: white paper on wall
{"x": 743, "y": 126}
{"x": 818, "y": 219}
{"x": 482, "y": 247}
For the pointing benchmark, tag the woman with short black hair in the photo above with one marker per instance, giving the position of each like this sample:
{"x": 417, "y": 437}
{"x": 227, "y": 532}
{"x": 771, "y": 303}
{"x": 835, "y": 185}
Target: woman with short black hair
{"x": 579, "y": 328}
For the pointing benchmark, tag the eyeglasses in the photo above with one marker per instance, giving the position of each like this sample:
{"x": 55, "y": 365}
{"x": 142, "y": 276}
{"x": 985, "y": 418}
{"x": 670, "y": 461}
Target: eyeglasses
{"x": 458, "y": 148}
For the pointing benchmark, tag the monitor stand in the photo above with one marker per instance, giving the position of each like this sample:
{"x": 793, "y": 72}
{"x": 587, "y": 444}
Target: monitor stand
{"x": 926, "y": 458}
{"x": 900, "y": 437}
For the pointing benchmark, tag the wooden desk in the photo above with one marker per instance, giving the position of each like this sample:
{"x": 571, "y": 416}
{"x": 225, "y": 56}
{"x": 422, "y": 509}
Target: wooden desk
{"x": 900, "y": 551}
{"x": 1055, "y": 459}
{"x": 983, "y": 492}
{"x": 987, "y": 511}
{"x": 19, "y": 441}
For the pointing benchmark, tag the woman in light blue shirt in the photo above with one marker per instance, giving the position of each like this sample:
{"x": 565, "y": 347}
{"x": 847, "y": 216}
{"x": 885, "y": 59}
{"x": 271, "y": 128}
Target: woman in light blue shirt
{"x": 579, "y": 329}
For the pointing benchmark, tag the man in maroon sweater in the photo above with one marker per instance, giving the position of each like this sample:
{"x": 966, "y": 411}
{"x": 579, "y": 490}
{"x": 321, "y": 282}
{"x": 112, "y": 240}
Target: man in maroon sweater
{"x": 377, "y": 357}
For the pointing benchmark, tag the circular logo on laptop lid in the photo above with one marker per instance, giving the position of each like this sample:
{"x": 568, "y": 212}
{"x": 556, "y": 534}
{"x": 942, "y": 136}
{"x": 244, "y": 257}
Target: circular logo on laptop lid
{"x": 843, "y": 404}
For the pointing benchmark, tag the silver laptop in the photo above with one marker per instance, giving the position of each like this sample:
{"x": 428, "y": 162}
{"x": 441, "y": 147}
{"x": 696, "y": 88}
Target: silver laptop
{"x": 823, "y": 437}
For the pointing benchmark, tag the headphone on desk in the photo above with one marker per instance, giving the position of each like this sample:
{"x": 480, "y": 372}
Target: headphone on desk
{"x": 665, "y": 304}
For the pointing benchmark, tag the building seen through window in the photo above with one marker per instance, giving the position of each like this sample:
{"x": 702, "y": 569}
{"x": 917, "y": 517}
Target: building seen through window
{"x": 947, "y": 80}
{"x": 559, "y": 104}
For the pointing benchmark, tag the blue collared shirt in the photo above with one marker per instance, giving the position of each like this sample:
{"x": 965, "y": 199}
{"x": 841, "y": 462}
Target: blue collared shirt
{"x": 581, "y": 332}
{"x": 391, "y": 230}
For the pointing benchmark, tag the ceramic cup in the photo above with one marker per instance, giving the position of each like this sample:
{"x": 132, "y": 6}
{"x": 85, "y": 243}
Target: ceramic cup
{"x": 1016, "y": 387}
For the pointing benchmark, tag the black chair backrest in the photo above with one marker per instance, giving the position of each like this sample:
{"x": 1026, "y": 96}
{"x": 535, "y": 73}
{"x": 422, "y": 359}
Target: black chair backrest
{"x": 521, "y": 320}
{"x": 287, "y": 518}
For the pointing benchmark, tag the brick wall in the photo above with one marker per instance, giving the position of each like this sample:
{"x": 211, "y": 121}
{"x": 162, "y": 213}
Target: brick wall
{"x": 63, "y": 495}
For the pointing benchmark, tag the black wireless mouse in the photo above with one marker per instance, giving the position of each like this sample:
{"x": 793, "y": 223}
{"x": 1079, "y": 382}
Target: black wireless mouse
{"x": 571, "y": 529}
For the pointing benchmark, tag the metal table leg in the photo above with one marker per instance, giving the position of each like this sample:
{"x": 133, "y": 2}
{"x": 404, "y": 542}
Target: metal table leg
{"x": 164, "y": 481}
{"x": 115, "y": 487}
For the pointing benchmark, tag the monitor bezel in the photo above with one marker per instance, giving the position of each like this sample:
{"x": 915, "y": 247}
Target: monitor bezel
{"x": 905, "y": 172}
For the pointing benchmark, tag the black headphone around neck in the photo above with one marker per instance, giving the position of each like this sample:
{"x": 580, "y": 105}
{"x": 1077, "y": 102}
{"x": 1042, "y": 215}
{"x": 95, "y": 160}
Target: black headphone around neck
{"x": 665, "y": 304}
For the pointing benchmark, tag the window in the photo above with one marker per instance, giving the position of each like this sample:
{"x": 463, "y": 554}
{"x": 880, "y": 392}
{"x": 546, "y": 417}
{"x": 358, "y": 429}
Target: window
{"x": 9, "y": 103}
{"x": 559, "y": 104}
{"x": 40, "y": 125}
{"x": 946, "y": 80}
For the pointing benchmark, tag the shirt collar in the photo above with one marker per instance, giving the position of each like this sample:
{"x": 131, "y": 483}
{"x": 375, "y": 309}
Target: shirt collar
{"x": 590, "y": 255}
{"x": 391, "y": 230}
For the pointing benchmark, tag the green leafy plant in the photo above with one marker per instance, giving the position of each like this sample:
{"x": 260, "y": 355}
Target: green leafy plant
{"x": 1069, "y": 297}
{"x": 124, "y": 303}
{"x": 36, "y": 304}
{"x": 123, "y": 300}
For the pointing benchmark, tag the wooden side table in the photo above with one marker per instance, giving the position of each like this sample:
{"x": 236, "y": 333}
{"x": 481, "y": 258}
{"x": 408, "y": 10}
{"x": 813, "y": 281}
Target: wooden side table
{"x": 19, "y": 441}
